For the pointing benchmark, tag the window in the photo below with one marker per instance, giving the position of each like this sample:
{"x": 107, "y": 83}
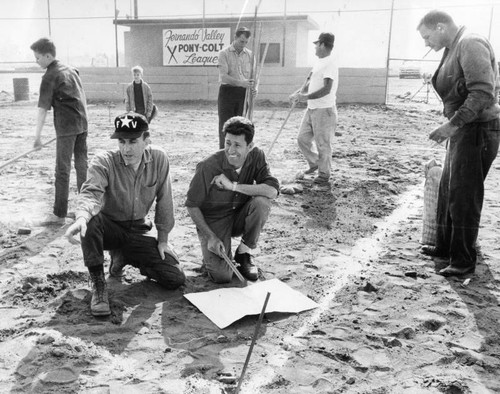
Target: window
{"x": 273, "y": 53}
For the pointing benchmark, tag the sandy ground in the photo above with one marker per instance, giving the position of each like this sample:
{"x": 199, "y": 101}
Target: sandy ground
{"x": 387, "y": 323}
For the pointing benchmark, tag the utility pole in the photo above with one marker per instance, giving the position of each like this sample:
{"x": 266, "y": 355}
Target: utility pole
{"x": 388, "y": 52}
{"x": 284, "y": 37}
{"x": 116, "y": 37}
{"x": 491, "y": 21}
{"x": 48, "y": 15}
{"x": 203, "y": 21}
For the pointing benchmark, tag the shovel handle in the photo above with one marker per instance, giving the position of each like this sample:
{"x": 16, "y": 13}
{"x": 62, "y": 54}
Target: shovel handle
{"x": 233, "y": 267}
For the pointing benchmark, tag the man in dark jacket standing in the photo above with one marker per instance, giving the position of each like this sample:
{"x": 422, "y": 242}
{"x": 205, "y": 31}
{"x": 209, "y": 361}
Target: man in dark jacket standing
{"x": 467, "y": 81}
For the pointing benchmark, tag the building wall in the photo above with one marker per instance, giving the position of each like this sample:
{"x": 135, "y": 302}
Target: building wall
{"x": 356, "y": 85}
{"x": 144, "y": 46}
{"x": 144, "y": 43}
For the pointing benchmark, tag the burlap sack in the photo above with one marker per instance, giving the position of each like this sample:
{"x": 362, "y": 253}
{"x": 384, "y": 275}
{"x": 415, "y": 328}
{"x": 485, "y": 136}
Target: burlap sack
{"x": 431, "y": 188}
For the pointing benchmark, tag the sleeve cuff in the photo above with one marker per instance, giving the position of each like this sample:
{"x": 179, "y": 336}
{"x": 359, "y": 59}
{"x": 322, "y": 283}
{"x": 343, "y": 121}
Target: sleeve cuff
{"x": 162, "y": 236}
{"x": 457, "y": 122}
{"x": 83, "y": 214}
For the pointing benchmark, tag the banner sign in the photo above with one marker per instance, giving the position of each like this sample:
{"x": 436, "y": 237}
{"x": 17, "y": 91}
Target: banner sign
{"x": 194, "y": 47}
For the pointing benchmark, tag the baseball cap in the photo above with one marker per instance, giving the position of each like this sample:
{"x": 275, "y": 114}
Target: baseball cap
{"x": 326, "y": 38}
{"x": 130, "y": 125}
{"x": 244, "y": 30}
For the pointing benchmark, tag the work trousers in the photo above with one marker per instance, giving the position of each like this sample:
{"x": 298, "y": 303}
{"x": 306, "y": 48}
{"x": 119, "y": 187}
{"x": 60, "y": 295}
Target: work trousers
{"x": 315, "y": 138}
{"x": 66, "y": 147}
{"x": 136, "y": 245}
{"x": 230, "y": 103}
{"x": 469, "y": 156}
{"x": 247, "y": 222}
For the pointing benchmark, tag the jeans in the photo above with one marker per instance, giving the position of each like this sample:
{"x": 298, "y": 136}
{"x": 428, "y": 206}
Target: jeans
{"x": 318, "y": 126}
{"x": 461, "y": 190}
{"x": 137, "y": 248}
{"x": 230, "y": 103}
{"x": 65, "y": 148}
{"x": 248, "y": 223}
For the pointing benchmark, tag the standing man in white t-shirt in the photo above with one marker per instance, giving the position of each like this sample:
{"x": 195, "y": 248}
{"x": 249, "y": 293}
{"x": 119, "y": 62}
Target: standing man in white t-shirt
{"x": 320, "y": 119}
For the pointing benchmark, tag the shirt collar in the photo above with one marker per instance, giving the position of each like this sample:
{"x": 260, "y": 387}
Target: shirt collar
{"x": 53, "y": 63}
{"x": 227, "y": 166}
{"x": 245, "y": 50}
{"x": 459, "y": 34}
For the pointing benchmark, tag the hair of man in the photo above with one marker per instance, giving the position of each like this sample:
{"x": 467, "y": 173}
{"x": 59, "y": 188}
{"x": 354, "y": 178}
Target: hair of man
{"x": 138, "y": 68}
{"x": 432, "y": 18}
{"x": 239, "y": 125}
{"x": 44, "y": 46}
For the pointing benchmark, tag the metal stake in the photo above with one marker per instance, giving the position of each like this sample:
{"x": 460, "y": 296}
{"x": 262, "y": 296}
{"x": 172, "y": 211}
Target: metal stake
{"x": 256, "y": 332}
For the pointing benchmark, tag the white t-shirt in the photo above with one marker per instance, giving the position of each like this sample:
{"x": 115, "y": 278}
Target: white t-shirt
{"x": 324, "y": 68}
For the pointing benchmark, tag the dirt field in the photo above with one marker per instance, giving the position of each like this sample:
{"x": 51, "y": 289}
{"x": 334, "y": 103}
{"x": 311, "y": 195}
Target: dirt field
{"x": 387, "y": 323}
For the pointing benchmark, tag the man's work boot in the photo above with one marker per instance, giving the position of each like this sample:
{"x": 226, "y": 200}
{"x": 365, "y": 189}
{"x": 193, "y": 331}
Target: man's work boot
{"x": 247, "y": 267}
{"x": 301, "y": 174}
{"x": 99, "y": 305}
{"x": 117, "y": 263}
{"x": 455, "y": 271}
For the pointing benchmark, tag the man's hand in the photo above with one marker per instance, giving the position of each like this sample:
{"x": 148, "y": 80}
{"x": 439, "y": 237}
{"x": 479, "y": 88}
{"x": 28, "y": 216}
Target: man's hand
{"x": 247, "y": 83}
{"x": 216, "y": 246}
{"x": 443, "y": 132}
{"x": 222, "y": 182}
{"x": 165, "y": 248}
{"x": 297, "y": 97}
{"x": 80, "y": 226}
{"x": 294, "y": 97}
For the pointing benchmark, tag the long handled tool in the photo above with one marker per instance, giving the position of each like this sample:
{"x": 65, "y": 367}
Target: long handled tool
{"x": 288, "y": 115}
{"x": 256, "y": 332}
{"x": 233, "y": 267}
{"x": 281, "y": 128}
{"x": 25, "y": 154}
{"x": 249, "y": 99}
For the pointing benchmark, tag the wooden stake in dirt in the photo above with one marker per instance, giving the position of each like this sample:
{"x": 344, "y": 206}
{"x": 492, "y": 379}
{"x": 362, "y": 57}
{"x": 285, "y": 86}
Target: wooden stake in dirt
{"x": 25, "y": 154}
{"x": 256, "y": 332}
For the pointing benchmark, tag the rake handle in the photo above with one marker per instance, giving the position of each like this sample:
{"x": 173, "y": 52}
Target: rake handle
{"x": 25, "y": 154}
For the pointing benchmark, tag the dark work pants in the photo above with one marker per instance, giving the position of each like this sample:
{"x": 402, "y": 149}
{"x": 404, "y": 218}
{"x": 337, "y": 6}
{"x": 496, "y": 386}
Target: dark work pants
{"x": 247, "y": 222}
{"x": 230, "y": 103}
{"x": 137, "y": 248}
{"x": 66, "y": 147}
{"x": 461, "y": 191}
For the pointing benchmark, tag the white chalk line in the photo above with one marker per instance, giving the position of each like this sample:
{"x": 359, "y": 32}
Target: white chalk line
{"x": 364, "y": 250}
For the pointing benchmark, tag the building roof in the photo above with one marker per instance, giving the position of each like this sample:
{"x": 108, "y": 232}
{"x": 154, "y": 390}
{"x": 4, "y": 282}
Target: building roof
{"x": 196, "y": 22}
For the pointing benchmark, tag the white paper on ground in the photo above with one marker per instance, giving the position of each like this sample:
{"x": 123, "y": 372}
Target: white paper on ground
{"x": 225, "y": 306}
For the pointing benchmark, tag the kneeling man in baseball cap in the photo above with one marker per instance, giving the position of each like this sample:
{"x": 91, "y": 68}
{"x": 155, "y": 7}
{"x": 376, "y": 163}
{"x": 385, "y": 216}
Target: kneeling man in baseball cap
{"x": 112, "y": 207}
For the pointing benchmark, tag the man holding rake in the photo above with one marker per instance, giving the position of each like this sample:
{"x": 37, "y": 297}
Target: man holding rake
{"x": 320, "y": 119}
